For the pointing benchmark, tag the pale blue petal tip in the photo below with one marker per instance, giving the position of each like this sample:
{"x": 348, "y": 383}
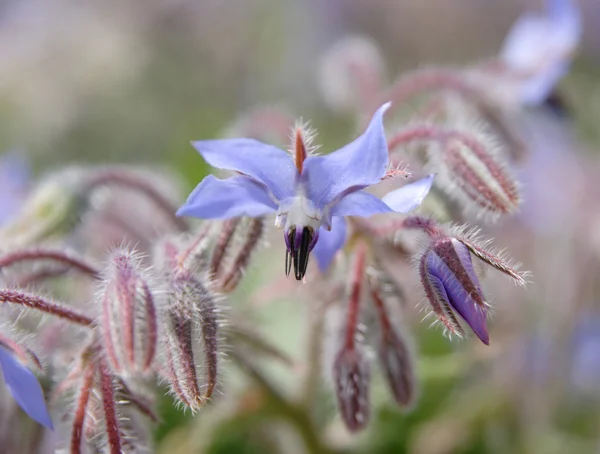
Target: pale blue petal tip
{"x": 25, "y": 388}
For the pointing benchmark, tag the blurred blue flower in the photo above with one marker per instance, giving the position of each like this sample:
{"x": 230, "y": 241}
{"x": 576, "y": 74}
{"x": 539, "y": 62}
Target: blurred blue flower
{"x": 539, "y": 48}
{"x": 310, "y": 194}
{"x": 14, "y": 178}
{"x": 24, "y": 387}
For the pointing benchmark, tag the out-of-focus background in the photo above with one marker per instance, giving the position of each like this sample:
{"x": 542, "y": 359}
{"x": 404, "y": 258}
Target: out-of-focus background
{"x": 110, "y": 81}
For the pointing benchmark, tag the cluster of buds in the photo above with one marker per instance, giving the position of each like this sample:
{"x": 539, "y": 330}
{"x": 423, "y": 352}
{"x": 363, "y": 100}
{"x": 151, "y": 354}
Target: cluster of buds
{"x": 129, "y": 326}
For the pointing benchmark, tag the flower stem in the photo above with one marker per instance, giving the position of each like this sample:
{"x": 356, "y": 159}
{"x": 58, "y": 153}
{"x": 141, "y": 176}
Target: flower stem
{"x": 110, "y": 411}
{"x": 26, "y": 255}
{"x": 81, "y": 409}
{"x": 40, "y": 304}
{"x": 132, "y": 181}
{"x": 355, "y": 294}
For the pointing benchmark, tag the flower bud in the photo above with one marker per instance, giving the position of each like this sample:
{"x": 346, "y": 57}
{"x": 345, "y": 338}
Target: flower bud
{"x": 473, "y": 172}
{"x": 192, "y": 314}
{"x": 129, "y": 321}
{"x": 452, "y": 286}
{"x": 352, "y": 378}
{"x": 53, "y": 207}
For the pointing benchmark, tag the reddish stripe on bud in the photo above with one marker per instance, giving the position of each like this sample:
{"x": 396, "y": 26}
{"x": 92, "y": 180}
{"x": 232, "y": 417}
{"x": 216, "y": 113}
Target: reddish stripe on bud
{"x": 192, "y": 308}
{"x": 129, "y": 321}
{"x": 252, "y": 234}
{"x": 478, "y": 174}
{"x": 223, "y": 243}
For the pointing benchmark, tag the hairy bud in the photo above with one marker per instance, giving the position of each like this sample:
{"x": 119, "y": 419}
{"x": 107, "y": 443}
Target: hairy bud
{"x": 192, "y": 314}
{"x": 452, "y": 286}
{"x": 352, "y": 378}
{"x": 475, "y": 174}
{"x": 129, "y": 320}
{"x": 394, "y": 356}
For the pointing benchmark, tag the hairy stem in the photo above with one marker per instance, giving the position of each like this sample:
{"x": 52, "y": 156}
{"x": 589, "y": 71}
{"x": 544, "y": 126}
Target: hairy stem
{"x": 132, "y": 181}
{"x": 29, "y": 255}
{"x": 40, "y": 304}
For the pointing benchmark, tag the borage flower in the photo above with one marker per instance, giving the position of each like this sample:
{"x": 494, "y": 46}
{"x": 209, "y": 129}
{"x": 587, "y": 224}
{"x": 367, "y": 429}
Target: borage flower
{"x": 539, "y": 48}
{"x": 310, "y": 194}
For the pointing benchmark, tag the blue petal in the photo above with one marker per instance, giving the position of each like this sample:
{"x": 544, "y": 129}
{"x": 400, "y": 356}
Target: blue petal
{"x": 410, "y": 196}
{"x": 228, "y": 198}
{"x": 540, "y": 47}
{"x": 25, "y": 388}
{"x": 265, "y": 163}
{"x": 329, "y": 242}
{"x": 359, "y": 203}
{"x": 354, "y": 166}
{"x": 450, "y": 287}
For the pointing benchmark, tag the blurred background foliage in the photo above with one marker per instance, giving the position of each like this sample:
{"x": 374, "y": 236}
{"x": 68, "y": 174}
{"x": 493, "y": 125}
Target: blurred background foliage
{"x": 109, "y": 81}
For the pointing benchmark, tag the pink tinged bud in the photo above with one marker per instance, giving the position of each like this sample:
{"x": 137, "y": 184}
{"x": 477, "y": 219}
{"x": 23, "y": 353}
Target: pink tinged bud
{"x": 223, "y": 242}
{"x": 395, "y": 358}
{"x": 451, "y": 285}
{"x": 480, "y": 179}
{"x": 129, "y": 322}
{"x": 352, "y": 378}
{"x": 192, "y": 315}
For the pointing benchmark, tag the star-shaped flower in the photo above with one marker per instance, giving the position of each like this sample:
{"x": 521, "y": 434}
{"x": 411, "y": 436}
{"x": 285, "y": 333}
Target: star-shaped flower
{"x": 310, "y": 195}
{"x": 539, "y": 48}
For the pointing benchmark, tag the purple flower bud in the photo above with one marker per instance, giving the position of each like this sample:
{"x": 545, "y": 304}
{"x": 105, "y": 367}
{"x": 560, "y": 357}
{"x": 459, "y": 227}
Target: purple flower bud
{"x": 129, "y": 322}
{"x": 352, "y": 378}
{"x": 451, "y": 285}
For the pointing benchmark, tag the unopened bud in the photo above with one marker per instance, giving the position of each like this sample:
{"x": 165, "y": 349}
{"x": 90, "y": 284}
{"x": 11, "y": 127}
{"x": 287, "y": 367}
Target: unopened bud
{"x": 352, "y": 378}
{"x": 192, "y": 314}
{"x": 451, "y": 285}
{"x": 474, "y": 173}
{"x": 129, "y": 320}
{"x": 397, "y": 364}
{"x": 393, "y": 352}
{"x": 54, "y": 207}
